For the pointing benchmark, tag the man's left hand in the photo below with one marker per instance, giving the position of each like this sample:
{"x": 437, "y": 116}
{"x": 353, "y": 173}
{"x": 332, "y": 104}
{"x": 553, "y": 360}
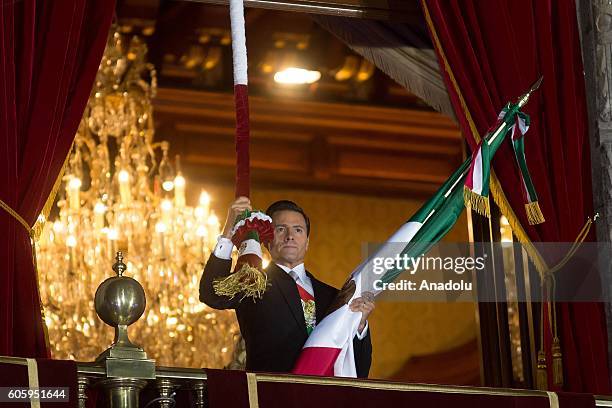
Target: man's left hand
{"x": 365, "y": 305}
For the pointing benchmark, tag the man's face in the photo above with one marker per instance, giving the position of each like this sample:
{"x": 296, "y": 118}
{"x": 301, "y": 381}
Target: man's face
{"x": 290, "y": 239}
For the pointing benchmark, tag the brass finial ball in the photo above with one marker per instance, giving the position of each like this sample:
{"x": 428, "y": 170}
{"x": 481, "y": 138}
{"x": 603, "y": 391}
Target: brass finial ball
{"x": 120, "y": 300}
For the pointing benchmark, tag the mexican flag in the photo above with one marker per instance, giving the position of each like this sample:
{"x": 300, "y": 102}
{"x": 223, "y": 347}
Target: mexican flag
{"x": 329, "y": 349}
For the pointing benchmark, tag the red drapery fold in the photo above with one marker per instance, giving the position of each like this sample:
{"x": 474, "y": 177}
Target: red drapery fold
{"x": 49, "y": 56}
{"x": 495, "y": 50}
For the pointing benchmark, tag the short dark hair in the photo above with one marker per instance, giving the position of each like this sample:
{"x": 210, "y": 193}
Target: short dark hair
{"x": 286, "y": 205}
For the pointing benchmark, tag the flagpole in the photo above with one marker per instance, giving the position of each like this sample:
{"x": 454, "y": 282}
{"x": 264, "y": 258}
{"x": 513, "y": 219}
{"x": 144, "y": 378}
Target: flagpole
{"x": 522, "y": 101}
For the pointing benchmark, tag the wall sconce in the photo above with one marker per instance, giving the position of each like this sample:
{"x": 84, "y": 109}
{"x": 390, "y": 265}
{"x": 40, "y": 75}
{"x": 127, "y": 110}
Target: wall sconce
{"x": 354, "y": 67}
{"x": 197, "y": 57}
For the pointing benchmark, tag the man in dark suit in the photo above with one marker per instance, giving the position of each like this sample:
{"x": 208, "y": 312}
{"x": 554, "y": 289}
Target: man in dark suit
{"x": 276, "y": 326}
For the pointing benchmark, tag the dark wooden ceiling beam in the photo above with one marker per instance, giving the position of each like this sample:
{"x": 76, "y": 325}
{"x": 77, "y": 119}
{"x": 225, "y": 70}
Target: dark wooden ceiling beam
{"x": 313, "y": 145}
{"x": 299, "y": 113}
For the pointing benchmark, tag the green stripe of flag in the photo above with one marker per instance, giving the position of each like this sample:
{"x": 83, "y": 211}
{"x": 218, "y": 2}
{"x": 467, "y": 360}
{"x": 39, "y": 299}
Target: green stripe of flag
{"x": 440, "y": 213}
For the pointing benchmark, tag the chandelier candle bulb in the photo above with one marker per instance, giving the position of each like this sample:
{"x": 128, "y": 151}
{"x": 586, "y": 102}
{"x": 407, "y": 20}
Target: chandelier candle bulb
{"x": 73, "y": 258}
{"x": 202, "y": 234}
{"x": 213, "y": 222}
{"x": 168, "y": 185}
{"x": 124, "y": 187}
{"x": 113, "y": 235}
{"x": 99, "y": 210}
{"x": 162, "y": 245}
{"x": 58, "y": 228}
{"x": 106, "y": 242}
{"x": 201, "y": 231}
{"x": 179, "y": 191}
{"x": 213, "y": 229}
{"x": 112, "y": 239}
{"x": 204, "y": 203}
{"x": 161, "y": 228}
{"x": 71, "y": 243}
{"x": 73, "y": 190}
{"x": 166, "y": 206}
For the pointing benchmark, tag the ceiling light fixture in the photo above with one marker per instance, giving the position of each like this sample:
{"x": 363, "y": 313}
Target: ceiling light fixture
{"x": 296, "y": 76}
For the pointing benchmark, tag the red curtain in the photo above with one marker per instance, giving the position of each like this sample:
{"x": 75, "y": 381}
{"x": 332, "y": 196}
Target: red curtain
{"x": 495, "y": 49}
{"x": 49, "y": 56}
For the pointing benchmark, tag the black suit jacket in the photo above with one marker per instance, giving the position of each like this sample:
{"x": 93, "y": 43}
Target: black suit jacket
{"x": 273, "y": 327}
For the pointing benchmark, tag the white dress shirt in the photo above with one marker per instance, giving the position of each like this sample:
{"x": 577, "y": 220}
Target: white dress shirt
{"x": 223, "y": 249}
{"x": 302, "y": 279}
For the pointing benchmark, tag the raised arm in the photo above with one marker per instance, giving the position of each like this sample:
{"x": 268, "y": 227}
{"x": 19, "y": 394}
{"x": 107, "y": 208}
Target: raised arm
{"x": 220, "y": 263}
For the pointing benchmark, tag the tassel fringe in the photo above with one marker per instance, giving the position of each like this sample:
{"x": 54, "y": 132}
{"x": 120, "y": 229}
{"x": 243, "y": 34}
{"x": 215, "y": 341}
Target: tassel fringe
{"x": 541, "y": 375}
{"x": 557, "y": 367}
{"x": 476, "y": 202}
{"x": 534, "y": 213}
{"x": 502, "y": 202}
{"x": 364, "y": 40}
{"x": 248, "y": 280}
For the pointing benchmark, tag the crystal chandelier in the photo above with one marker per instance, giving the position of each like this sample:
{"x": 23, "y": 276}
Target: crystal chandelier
{"x": 121, "y": 195}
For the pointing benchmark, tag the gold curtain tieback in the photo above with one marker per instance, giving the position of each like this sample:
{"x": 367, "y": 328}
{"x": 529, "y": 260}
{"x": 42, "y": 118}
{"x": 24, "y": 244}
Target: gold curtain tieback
{"x": 18, "y": 217}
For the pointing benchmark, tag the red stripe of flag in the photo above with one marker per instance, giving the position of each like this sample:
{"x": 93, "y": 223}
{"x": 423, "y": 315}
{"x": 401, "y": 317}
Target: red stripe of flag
{"x": 318, "y": 360}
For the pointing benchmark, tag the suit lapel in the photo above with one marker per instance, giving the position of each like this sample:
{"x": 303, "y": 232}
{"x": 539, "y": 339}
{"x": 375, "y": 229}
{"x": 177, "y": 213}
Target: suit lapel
{"x": 288, "y": 288}
{"x": 318, "y": 291}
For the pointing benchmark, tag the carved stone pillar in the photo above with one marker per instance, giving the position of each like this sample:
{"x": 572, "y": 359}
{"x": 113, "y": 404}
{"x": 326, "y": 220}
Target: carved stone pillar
{"x": 595, "y": 21}
{"x": 603, "y": 37}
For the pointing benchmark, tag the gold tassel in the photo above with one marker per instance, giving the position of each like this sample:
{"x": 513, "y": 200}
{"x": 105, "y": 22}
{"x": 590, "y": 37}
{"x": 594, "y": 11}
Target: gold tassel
{"x": 541, "y": 375}
{"x": 46, "y": 210}
{"x": 557, "y": 367}
{"x": 248, "y": 280}
{"x": 534, "y": 213}
{"x": 541, "y": 369}
{"x": 476, "y": 202}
